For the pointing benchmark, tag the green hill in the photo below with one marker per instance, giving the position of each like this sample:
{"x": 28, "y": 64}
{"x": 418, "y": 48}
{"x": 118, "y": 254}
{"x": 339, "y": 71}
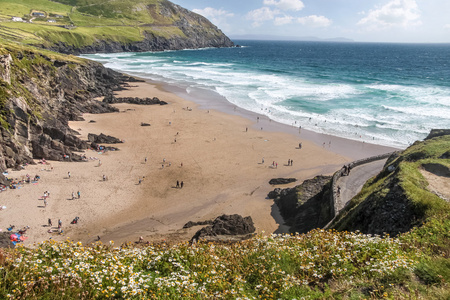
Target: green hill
{"x": 86, "y": 26}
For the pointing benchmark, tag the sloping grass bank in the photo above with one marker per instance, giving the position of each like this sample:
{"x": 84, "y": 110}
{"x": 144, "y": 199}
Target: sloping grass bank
{"x": 318, "y": 265}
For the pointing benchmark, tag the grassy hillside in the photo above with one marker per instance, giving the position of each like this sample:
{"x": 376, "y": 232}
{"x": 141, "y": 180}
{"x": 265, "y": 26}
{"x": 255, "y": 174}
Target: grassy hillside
{"x": 82, "y": 23}
{"x": 398, "y": 199}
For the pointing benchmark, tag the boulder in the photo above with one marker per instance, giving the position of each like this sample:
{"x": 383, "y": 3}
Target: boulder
{"x": 102, "y": 138}
{"x": 276, "y": 181}
{"x": 227, "y": 225}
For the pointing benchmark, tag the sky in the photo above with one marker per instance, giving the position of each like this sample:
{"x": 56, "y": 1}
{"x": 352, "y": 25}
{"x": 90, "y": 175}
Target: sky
{"x": 401, "y": 21}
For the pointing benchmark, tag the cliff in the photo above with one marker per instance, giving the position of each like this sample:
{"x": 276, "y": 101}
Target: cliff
{"x": 39, "y": 93}
{"x": 306, "y": 206}
{"x": 91, "y": 26}
{"x": 406, "y": 193}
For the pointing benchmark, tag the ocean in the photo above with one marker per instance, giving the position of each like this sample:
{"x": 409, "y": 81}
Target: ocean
{"x": 388, "y": 94}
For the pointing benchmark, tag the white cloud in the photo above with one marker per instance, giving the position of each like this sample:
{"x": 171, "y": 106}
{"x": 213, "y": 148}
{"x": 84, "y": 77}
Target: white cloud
{"x": 279, "y": 21}
{"x": 217, "y": 16}
{"x": 315, "y": 21}
{"x": 294, "y": 5}
{"x": 260, "y": 15}
{"x": 396, "y": 13}
{"x": 212, "y": 13}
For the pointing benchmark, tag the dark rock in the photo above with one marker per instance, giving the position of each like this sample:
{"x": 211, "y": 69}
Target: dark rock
{"x": 102, "y": 138}
{"x": 227, "y": 225}
{"x": 437, "y": 133}
{"x": 192, "y": 224}
{"x": 306, "y": 206}
{"x": 277, "y": 181}
{"x": 5, "y": 241}
{"x": 111, "y": 99}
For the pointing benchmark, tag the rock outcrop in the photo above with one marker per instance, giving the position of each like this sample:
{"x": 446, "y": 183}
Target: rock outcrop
{"x": 276, "y": 181}
{"x": 306, "y": 206}
{"x": 39, "y": 95}
{"x": 111, "y": 99}
{"x": 227, "y": 225}
{"x": 103, "y": 139}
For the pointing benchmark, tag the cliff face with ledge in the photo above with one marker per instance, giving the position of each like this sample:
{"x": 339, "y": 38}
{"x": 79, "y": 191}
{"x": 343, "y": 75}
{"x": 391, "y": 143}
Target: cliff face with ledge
{"x": 92, "y": 26}
{"x": 39, "y": 93}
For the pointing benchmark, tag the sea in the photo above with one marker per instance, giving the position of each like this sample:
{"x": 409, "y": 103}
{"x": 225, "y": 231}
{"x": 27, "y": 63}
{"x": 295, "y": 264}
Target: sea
{"x": 387, "y": 94}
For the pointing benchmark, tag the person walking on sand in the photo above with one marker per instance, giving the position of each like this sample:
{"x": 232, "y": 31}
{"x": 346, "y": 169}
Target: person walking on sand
{"x": 263, "y": 160}
{"x": 145, "y": 159}
{"x": 49, "y": 222}
{"x": 45, "y": 202}
{"x": 178, "y": 184}
{"x": 68, "y": 174}
{"x": 181, "y": 184}
{"x": 59, "y": 223}
{"x": 78, "y": 194}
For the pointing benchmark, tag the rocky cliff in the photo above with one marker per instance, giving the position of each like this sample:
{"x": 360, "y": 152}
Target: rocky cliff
{"x": 306, "y": 206}
{"x": 92, "y": 26}
{"x": 39, "y": 93}
{"x": 400, "y": 198}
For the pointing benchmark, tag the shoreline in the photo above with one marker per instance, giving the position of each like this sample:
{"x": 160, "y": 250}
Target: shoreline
{"x": 222, "y": 171}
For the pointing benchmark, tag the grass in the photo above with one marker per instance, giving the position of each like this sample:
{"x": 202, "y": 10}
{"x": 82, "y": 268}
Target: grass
{"x": 93, "y": 20}
{"x": 320, "y": 264}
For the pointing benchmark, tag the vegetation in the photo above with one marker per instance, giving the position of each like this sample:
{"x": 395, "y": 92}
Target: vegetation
{"x": 81, "y": 23}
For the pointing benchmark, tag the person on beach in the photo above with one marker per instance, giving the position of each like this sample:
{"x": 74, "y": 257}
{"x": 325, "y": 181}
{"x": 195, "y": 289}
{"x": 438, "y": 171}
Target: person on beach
{"x": 263, "y": 160}
{"x": 246, "y": 129}
{"x": 68, "y": 174}
{"x": 178, "y": 184}
{"x": 59, "y": 223}
{"x": 289, "y": 162}
{"x": 45, "y": 202}
{"x": 99, "y": 162}
{"x": 300, "y": 146}
{"x": 292, "y": 162}
{"x": 104, "y": 177}
{"x": 140, "y": 180}
{"x": 49, "y": 222}
{"x": 73, "y": 195}
{"x": 145, "y": 160}
{"x": 78, "y": 194}
{"x": 181, "y": 184}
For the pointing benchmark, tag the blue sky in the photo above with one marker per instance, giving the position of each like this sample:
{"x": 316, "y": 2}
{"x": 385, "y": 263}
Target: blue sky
{"x": 404, "y": 21}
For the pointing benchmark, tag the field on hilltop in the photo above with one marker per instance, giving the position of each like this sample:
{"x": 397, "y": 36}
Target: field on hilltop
{"x": 106, "y": 26}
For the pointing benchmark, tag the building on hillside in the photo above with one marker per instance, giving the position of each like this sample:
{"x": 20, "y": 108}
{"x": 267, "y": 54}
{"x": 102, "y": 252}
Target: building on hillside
{"x": 17, "y": 19}
{"x": 59, "y": 16}
{"x": 38, "y": 14}
{"x": 51, "y": 21}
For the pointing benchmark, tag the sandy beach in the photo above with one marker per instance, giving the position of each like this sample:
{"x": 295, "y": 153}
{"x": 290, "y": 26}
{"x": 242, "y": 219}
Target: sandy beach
{"x": 217, "y": 152}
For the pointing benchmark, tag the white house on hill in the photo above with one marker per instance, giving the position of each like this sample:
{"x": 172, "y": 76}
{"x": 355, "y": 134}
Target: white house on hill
{"x": 17, "y": 19}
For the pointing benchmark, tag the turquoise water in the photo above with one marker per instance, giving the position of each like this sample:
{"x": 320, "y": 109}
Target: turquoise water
{"x": 390, "y": 94}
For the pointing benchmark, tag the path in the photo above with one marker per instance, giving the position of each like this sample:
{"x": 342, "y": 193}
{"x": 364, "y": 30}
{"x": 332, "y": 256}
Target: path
{"x": 353, "y": 183}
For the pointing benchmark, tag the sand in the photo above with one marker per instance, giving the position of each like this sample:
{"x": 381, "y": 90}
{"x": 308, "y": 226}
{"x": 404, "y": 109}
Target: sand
{"x": 216, "y": 153}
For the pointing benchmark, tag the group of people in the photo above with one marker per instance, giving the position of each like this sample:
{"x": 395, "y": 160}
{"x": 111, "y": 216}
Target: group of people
{"x": 346, "y": 170}
{"x": 179, "y": 184}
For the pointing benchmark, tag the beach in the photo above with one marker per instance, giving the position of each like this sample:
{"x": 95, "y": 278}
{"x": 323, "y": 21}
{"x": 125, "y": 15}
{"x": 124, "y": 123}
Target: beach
{"x": 224, "y": 156}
